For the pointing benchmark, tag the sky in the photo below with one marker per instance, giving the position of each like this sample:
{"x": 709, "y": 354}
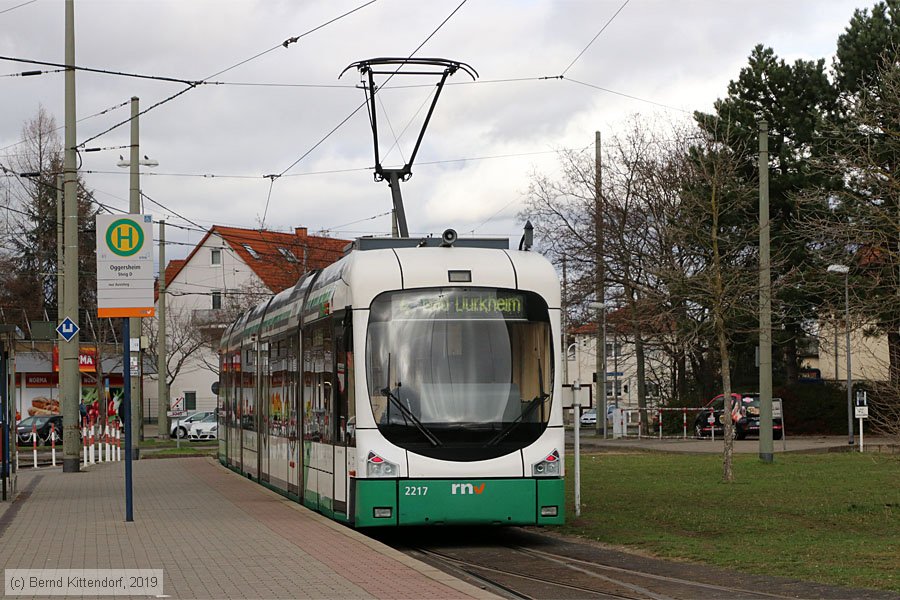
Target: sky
{"x": 283, "y": 110}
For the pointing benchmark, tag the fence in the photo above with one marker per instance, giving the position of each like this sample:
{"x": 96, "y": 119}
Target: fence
{"x": 664, "y": 423}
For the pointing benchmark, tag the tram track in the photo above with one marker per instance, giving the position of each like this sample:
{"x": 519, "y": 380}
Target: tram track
{"x": 520, "y": 563}
{"x": 494, "y": 577}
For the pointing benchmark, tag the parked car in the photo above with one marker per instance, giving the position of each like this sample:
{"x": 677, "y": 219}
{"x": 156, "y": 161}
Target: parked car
{"x": 182, "y": 428}
{"x": 44, "y": 425}
{"x": 205, "y": 429}
{"x": 589, "y": 417}
{"x": 745, "y": 414}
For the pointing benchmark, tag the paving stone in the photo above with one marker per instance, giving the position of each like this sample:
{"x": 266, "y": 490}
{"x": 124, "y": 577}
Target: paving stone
{"x": 214, "y": 533}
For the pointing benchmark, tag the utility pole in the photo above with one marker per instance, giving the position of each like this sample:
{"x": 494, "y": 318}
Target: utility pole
{"x": 766, "y": 447}
{"x": 134, "y": 325}
{"x": 600, "y": 293}
{"x": 163, "y": 389}
{"x": 60, "y": 285}
{"x": 68, "y": 351}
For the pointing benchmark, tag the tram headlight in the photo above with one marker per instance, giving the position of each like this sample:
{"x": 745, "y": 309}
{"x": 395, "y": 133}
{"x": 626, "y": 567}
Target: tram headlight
{"x": 378, "y": 467}
{"x": 549, "y": 467}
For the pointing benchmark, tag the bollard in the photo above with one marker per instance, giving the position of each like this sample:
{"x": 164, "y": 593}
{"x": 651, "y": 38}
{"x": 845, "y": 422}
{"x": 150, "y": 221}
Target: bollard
{"x": 118, "y": 441}
{"x": 34, "y": 443}
{"x": 106, "y": 443}
{"x": 684, "y": 422}
{"x": 91, "y": 444}
{"x": 53, "y": 443}
{"x": 660, "y": 423}
{"x": 84, "y": 448}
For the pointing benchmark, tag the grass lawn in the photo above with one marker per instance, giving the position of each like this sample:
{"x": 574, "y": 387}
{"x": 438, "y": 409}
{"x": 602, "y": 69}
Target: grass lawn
{"x": 185, "y": 450}
{"x": 831, "y": 518}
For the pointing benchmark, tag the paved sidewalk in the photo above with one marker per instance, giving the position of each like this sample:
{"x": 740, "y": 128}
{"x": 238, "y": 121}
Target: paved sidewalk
{"x": 215, "y": 535}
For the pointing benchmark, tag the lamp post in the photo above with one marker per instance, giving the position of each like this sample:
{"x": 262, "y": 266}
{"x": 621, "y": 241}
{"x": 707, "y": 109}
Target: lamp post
{"x": 576, "y": 411}
{"x": 845, "y": 271}
{"x": 601, "y": 364}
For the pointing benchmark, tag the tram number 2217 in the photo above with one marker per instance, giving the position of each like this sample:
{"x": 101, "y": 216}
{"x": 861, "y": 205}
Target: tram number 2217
{"x": 416, "y": 490}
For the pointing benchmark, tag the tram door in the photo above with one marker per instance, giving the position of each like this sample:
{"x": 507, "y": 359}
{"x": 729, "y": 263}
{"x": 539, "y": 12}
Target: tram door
{"x": 292, "y": 385}
{"x": 264, "y": 411}
{"x": 318, "y": 420}
{"x": 344, "y": 411}
{"x": 249, "y": 405}
{"x": 234, "y": 413}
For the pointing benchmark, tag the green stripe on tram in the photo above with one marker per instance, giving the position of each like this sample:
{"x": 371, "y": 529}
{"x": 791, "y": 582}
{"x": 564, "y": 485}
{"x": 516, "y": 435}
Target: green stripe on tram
{"x": 458, "y": 501}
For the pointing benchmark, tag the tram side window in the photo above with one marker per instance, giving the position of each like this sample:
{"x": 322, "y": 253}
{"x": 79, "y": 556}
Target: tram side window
{"x": 345, "y": 410}
{"x": 292, "y": 386}
{"x": 278, "y": 391}
{"x": 248, "y": 392}
{"x": 318, "y": 382}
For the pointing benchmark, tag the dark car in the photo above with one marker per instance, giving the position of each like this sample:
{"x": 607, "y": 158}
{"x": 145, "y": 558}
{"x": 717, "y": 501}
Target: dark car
{"x": 745, "y": 413}
{"x": 43, "y": 425}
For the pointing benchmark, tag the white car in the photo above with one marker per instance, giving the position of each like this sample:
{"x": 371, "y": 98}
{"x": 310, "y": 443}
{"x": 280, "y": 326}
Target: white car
{"x": 183, "y": 426}
{"x": 206, "y": 428}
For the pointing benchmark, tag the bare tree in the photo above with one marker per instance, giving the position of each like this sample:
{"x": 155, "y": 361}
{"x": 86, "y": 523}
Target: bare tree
{"x": 710, "y": 226}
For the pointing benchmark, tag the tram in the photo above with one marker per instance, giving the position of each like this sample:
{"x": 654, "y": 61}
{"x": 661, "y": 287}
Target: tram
{"x": 413, "y": 382}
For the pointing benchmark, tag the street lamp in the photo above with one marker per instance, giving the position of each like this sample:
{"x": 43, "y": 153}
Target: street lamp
{"x": 845, "y": 271}
{"x": 601, "y": 364}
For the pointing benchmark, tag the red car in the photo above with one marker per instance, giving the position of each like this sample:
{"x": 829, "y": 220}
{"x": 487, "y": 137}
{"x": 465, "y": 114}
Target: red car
{"x": 745, "y": 414}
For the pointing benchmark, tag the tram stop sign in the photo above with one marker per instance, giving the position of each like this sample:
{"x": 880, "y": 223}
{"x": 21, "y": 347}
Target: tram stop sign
{"x": 125, "y": 266}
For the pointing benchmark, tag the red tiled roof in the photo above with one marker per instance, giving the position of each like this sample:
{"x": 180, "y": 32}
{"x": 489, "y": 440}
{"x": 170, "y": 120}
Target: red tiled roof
{"x": 277, "y": 258}
{"x": 172, "y": 269}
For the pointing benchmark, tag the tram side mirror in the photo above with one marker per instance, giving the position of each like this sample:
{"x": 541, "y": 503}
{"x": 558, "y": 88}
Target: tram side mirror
{"x": 449, "y": 237}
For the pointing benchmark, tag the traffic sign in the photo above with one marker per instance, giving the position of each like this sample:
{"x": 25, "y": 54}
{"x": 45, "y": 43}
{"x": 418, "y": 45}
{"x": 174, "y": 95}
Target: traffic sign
{"x": 176, "y": 414}
{"x": 125, "y": 278}
{"x": 178, "y": 404}
{"x": 67, "y": 329}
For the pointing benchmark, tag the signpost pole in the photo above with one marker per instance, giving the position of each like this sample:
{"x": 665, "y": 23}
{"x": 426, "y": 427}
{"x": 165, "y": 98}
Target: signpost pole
{"x": 126, "y": 417}
{"x": 125, "y": 290}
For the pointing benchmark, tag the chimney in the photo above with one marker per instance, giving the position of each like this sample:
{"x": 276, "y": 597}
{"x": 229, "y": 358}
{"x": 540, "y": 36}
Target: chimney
{"x": 300, "y": 231}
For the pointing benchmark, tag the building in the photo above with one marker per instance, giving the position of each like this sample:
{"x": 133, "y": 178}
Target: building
{"x": 621, "y": 365}
{"x": 869, "y": 354}
{"x": 230, "y": 269}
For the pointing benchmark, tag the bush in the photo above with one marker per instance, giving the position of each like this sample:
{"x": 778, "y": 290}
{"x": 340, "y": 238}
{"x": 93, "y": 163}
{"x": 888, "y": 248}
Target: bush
{"x": 813, "y": 408}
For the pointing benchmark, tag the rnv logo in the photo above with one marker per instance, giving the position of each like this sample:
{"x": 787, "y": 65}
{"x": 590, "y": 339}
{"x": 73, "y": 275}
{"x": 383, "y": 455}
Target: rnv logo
{"x": 465, "y": 488}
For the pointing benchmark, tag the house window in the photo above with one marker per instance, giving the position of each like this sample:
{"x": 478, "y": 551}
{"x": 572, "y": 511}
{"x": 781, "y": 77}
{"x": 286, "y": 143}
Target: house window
{"x": 251, "y": 251}
{"x": 609, "y": 387}
{"x": 190, "y": 401}
{"x": 288, "y": 255}
{"x": 216, "y": 300}
{"x": 215, "y": 256}
{"x": 613, "y": 350}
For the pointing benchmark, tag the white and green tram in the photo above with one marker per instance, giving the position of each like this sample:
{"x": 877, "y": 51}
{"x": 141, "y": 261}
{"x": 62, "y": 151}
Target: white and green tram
{"x": 413, "y": 382}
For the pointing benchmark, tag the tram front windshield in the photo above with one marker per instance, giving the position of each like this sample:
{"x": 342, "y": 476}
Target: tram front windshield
{"x": 460, "y": 373}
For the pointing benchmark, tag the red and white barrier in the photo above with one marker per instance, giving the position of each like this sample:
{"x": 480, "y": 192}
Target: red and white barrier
{"x": 91, "y": 454}
{"x": 53, "y": 443}
{"x": 84, "y": 448}
{"x": 34, "y": 443}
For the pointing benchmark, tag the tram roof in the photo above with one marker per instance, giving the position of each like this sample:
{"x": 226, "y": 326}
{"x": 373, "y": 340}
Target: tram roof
{"x": 384, "y": 243}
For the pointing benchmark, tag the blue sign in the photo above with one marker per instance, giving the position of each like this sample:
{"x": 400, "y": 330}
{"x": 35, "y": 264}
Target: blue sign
{"x": 67, "y": 329}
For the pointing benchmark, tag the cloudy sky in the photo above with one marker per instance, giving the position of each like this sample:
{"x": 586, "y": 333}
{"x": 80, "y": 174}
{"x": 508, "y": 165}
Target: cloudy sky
{"x": 216, "y": 143}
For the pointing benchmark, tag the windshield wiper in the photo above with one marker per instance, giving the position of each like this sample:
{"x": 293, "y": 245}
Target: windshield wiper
{"x": 532, "y": 404}
{"x": 407, "y": 414}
